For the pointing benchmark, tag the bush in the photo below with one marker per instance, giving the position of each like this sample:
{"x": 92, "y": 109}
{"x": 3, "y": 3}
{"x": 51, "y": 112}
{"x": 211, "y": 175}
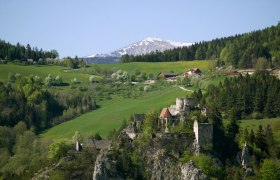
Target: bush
{"x": 270, "y": 170}
{"x": 58, "y": 80}
{"x": 49, "y": 80}
{"x": 57, "y": 150}
{"x": 12, "y": 77}
{"x": 74, "y": 81}
{"x": 207, "y": 164}
{"x": 257, "y": 115}
{"x": 91, "y": 79}
{"x": 147, "y": 88}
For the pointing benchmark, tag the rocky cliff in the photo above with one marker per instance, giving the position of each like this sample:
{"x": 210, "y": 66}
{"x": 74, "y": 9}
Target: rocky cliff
{"x": 160, "y": 159}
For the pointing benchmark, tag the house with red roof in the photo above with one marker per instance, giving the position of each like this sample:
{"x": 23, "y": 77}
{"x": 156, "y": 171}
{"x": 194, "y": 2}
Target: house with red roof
{"x": 193, "y": 72}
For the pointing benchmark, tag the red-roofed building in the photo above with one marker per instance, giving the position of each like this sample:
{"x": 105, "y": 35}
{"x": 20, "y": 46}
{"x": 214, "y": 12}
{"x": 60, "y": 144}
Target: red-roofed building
{"x": 165, "y": 114}
{"x": 192, "y": 72}
{"x": 165, "y": 118}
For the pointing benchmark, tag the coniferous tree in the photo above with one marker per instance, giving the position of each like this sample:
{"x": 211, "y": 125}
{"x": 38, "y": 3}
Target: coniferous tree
{"x": 261, "y": 139}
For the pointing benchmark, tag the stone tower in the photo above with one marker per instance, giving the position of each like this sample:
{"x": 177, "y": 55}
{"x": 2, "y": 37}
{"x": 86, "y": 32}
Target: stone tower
{"x": 203, "y": 134}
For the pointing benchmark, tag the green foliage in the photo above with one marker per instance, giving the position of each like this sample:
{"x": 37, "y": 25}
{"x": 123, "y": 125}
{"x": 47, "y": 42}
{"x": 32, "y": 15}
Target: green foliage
{"x": 247, "y": 96}
{"x": 19, "y": 147}
{"x": 57, "y": 150}
{"x": 12, "y": 77}
{"x": 91, "y": 79}
{"x": 186, "y": 157}
{"x": 77, "y": 137}
{"x": 270, "y": 170}
{"x": 208, "y": 165}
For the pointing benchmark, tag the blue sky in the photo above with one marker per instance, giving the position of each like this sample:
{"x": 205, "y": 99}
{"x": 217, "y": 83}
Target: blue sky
{"x": 98, "y": 26}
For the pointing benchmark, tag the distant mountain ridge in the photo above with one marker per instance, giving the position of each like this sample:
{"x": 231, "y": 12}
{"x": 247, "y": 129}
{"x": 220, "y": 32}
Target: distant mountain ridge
{"x": 138, "y": 48}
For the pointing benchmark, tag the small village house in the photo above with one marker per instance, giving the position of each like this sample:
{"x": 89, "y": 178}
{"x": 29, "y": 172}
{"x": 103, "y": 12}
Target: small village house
{"x": 193, "y": 72}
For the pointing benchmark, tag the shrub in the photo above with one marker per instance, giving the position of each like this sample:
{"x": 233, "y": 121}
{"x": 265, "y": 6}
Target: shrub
{"x": 270, "y": 170}
{"x": 49, "y": 80}
{"x": 12, "y": 77}
{"x": 91, "y": 79}
{"x": 147, "y": 88}
{"x": 207, "y": 164}
{"x": 57, "y": 150}
{"x": 257, "y": 115}
{"x": 74, "y": 81}
{"x": 58, "y": 80}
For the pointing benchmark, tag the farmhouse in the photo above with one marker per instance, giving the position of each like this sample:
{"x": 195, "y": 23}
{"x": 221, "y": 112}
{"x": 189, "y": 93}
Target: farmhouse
{"x": 193, "y": 72}
{"x": 203, "y": 134}
{"x": 167, "y": 75}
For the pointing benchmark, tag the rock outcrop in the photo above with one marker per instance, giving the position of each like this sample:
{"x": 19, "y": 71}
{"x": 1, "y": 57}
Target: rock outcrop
{"x": 190, "y": 172}
{"x": 105, "y": 168}
{"x": 245, "y": 156}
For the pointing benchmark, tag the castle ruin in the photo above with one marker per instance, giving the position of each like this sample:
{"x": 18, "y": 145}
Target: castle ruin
{"x": 203, "y": 134}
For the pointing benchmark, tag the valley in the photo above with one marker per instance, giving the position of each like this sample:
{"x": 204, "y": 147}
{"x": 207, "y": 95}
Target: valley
{"x": 159, "y": 110}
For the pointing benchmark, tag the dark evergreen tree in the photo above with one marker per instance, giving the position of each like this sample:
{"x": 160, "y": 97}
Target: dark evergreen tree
{"x": 261, "y": 139}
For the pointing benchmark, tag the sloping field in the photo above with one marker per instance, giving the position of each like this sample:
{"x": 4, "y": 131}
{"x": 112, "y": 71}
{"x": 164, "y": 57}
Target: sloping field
{"x": 112, "y": 113}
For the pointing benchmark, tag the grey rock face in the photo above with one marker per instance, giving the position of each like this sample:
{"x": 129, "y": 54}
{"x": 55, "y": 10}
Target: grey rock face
{"x": 105, "y": 168}
{"x": 190, "y": 172}
{"x": 245, "y": 156}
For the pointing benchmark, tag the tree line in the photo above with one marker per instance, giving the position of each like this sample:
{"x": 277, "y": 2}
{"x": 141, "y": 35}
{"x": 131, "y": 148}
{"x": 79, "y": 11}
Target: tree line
{"x": 240, "y": 51}
{"x": 20, "y": 52}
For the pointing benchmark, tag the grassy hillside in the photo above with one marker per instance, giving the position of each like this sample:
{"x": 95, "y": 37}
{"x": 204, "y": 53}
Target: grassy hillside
{"x": 155, "y": 68}
{"x": 42, "y": 71}
{"x": 67, "y": 75}
{"x": 112, "y": 113}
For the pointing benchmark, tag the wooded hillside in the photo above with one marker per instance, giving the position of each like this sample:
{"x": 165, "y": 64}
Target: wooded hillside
{"x": 241, "y": 51}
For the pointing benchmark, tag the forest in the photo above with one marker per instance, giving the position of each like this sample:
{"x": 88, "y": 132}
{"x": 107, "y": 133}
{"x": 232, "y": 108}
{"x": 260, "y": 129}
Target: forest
{"x": 240, "y": 51}
{"x": 27, "y": 99}
{"x": 18, "y": 52}
{"x": 245, "y": 97}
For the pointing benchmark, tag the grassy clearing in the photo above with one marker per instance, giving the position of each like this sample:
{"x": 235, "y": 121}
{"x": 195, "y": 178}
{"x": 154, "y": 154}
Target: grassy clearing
{"x": 156, "y": 67}
{"x": 255, "y": 123}
{"x": 112, "y": 113}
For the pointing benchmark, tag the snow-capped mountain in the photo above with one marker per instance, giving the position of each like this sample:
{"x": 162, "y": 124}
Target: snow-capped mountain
{"x": 141, "y": 47}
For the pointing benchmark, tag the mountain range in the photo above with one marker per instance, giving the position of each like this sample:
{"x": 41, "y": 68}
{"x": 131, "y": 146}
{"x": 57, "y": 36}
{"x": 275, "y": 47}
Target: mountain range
{"x": 144, "y": 46}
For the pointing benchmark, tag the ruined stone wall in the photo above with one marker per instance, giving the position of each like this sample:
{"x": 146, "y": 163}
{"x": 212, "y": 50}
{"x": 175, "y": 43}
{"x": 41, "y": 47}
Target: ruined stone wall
{"x": 203, "y": 134}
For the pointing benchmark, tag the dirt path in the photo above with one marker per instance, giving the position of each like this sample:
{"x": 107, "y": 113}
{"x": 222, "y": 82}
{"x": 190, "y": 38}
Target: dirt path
{"x": 184, "y": 89}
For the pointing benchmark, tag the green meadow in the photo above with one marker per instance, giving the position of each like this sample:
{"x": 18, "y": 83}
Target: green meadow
{"x": 255, "y": 123}
{"x": 112, "y": 113}
{"x": 156, "y": 67}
